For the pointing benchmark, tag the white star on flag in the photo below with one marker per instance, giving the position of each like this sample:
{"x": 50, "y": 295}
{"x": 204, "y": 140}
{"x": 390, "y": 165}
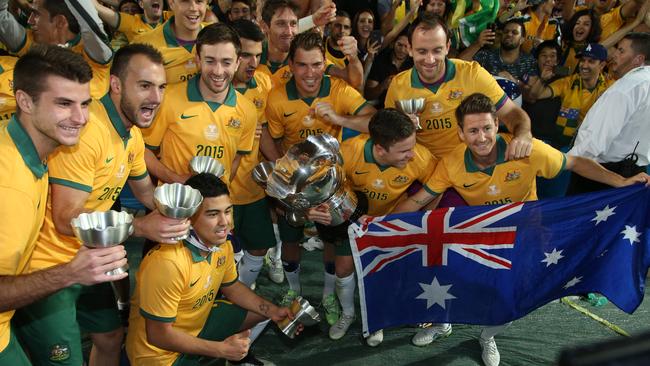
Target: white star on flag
{"x": 574, "y": 281}
{"x": 435, "y": 293}
{"x": 602, "y": 215}
{"x": 631, "y": 234}
{"x": 552, "y": 257}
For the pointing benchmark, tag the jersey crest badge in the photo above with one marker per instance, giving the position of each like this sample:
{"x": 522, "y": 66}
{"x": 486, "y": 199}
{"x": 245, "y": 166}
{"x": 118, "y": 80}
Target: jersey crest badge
{"x": 513, "y": 175}
{"x": 211, "y": 132}
{"x": 493, "y": 190}
{"x": 378, "y": 183}
{"x": 455, "y": 94}
{"x": 234, "y": 123}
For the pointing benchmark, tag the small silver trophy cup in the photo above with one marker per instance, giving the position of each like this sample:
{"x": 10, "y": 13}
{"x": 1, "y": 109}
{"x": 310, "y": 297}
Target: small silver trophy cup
{"x": 412, "y": 106}
{"x": 103, "y": 230}
{"x": 177, "y": 201}
{"x": 304, "y": 314}
{"x": 310, "y": 173}
{"x": 206, "y": 164}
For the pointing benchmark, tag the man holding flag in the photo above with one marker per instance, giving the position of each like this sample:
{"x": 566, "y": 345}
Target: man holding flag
{"x": 482, "y": 176}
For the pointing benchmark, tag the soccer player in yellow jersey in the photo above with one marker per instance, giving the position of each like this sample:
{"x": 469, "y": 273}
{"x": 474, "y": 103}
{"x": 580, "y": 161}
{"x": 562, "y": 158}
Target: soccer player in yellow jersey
{"x": 7, "y": 100}
{"x": 443, "y": 82}
{"x": 51, "y": 85}
{"x": 309, "y": 104}
{"x": 56, "y": 22}
{"x": 174, "y": 317}
{"x": 280, "y": 23}
{"x": 252, "y": 217}
{"x": 479, "y": 172}
{"x": 176, "y": 39}
{"x": 134, "y": 25}
{"x": 339, "y": 28}
{"x": 204, "y": 116}
{"x": 89, "y": 177}
{"x": 380, "y": 168}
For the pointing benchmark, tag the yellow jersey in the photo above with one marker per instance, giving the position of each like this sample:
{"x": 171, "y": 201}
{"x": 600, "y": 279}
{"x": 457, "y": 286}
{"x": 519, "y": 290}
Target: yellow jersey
{"x": 384, "y": 186}
{"x": 186, "y": 126}
{"x": 7, "y": 100}
{"x": 243, "y": 190}
{"x": 576, "y": 101}
{"x": 134, "y": 25}
{"x": 505, "y": 182}
{"x": 610, "y": 22}
{"x": 179, "y": 61}
{"x": 107, "y": 155}
{"x": 101, "y": 77}
{"x": 23, "y": 188}
{"x": 175, "y": 284}
{"x": 334, "y": 56}
{"x": 439, "y": 131}
{"x": 532, "y": 26}
{"x": 292, "y": 118}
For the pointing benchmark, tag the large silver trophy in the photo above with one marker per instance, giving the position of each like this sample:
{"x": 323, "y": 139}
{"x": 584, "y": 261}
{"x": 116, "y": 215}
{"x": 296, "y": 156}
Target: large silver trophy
{"x": 412, "y": 106}
{"x": 309, "y": 174}
{"x": 177, "y": 201}
{"x": 103, "y": 230}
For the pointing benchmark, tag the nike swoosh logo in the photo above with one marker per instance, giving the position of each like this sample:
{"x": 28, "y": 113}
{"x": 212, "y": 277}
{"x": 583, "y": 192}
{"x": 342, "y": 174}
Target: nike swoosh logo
{"x": 108, "y": 160}
{"x": 356, "y": 172}
{"x": 468, "y": 185}
{"x": 168, "y": 62}
{"x": 194, "y": 283}
{"x": 183, "y": 116}
{"x": 288, "y": 114}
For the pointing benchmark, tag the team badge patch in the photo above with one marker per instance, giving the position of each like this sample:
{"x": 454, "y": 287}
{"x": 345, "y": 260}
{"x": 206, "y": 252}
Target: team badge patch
{"x": 234, "y": 123}
{"x": 59, "y": 352}
{"x": 131, "y": 157}
{"x": 493, "y": 190}
{"x": 401, "y": 179}
{"x": 211, "y": 132}
{"x": 259, "y": 103}
{"x": 436, "y": 108}
{"x": 513, "y": 175}
{"x": 121, "y": 171}
{"x": 221, "y": 261}
{"x": 455, "y": 94}
{"x": 286, "y": 75}
{"x": 378, "y": 183}
{"x": 190, "y": 64}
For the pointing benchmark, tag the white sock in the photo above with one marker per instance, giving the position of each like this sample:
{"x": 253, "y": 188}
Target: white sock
{"x": 293, "y": 278}
{"x": 278, "y": 251}
{"x": 249, "y": 268}
{"x": 489, "y": 332}
{"x": 258, "y": 329}
{"x": 345, "y": 291}
{"x": 329, "y": 283}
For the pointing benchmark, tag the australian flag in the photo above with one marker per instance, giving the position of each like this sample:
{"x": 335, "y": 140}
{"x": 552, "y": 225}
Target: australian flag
{"x": 488, "y": 265}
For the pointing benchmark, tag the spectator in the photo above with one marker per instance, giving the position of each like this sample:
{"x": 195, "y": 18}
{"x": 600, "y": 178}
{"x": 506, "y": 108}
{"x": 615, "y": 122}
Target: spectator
{"x": 582, "y": 28}
{"x": 389, "y": 63}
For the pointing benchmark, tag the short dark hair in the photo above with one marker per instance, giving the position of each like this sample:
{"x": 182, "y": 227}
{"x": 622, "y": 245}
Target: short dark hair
{"x": 248, "y": 30}
{"x": 548, "y": 44}
{"x": 389, "y": 126}
{"x": 124, "y": 55}
{"x": 271, "y": 6}
{"x": 448, "y": 8}
{"x": 594, "y": 32}
{"x": 208, "y": 184}
{"x": 217, "y": 33}
{"x": 42, "y": 61}
{"x": 355, "y": 20}
{"x": 475, "y": 104}
{"x": 640, "y": 44}
{"x": 306, "y": 41}
{"x": 58, "y": 7}
{"x": 428, "y": 21}
{"x": 123, "y": 2}
{"x": 519, "y": 22}
{"x": 248, "y": 3}
{"x": 344, "y": 14}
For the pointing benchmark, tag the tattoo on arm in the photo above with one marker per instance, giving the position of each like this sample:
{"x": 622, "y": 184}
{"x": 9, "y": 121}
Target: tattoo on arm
{"x": 264, "y": 308}
{"x": 422, "y": 202}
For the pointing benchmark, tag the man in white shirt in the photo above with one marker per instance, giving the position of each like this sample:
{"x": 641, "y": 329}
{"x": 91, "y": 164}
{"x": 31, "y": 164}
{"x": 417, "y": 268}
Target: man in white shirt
{"x": 616, "y": 130}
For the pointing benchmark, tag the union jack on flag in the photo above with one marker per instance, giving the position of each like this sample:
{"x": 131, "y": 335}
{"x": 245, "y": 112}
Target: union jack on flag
{"x": 488, "y": 265}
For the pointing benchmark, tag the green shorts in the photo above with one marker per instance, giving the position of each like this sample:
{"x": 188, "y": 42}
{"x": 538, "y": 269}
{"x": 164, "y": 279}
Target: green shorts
{"x": 342, "y": 248}
{"x": 50, "y": 329}
{"x": 13, "y": 354}
{"x": 225, "y": 319}
{"x": 290, "y": 233}
{"x": 253, "y": 225}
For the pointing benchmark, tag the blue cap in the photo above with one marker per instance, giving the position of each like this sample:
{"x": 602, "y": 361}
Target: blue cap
{"x": 595, "y": 51}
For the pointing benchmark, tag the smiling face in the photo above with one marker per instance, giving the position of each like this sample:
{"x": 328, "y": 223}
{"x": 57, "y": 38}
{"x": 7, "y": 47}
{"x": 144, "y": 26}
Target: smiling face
{"x": 547, "y": 58}
{"x": 479, "y": 133}
{"x": 341, "y": 27}
{"x": 437, "y": 7}
{"x": 582, "y": 28}
{"x": 47, "y": 29}
{"x": 213, "y": 220}
{"x": 590, "y": 68}
{"x": 429, "y": 49}
{"x": 60, "y": 111}
{"x": 239, "y": 10}
{"x": 283, "y": 27}
{"x": 140, "y": 92}
{"x": 188, "y": 14}
{"x": 398, "y": 154}
{"x": 365, "y": 24}
{"x": 308, "y": 68}
{"x": 218, "y": 64}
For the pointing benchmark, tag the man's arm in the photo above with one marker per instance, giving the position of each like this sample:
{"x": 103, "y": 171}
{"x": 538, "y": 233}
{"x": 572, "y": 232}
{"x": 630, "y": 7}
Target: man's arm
{"x": 235, "y": 166}
{"x": 160, "y": 171}
{"x": 590, "y": 169}
{"x": 358, "y": 122}
{"x": 268, "y": 147}
{"x": 67, "y": 203}
{"x": 353, "y": 72}
{"x": 518, "y": 123}
{"x": 243, "y": 296}
{"x": 95, "y": 39}
{"x": 108, "y": 15}
{"x": 416, "y": 202}
{"x": 486, "y": 37}
{"x": 163, "y": 335}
